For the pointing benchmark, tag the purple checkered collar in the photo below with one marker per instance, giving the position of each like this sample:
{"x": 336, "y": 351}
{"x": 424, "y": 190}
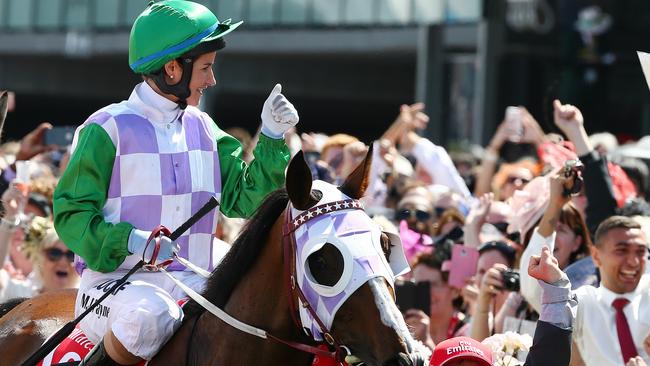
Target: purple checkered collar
{"x": 357, "y": 238}
{"x": 152, "y": 105}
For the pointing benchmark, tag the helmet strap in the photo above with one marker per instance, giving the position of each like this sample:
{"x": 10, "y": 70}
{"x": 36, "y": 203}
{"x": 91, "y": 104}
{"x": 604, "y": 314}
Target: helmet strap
{"x": 181, "y": 90}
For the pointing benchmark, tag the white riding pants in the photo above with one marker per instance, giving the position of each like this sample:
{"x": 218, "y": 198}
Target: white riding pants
{"x": 142, "y": 314}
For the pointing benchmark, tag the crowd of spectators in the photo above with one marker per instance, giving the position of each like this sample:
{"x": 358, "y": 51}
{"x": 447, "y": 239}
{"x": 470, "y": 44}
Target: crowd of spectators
{"x": 503, "y": 215}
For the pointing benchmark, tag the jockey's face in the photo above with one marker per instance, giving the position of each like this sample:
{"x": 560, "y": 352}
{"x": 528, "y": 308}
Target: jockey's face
{"x": 202, "y": 77}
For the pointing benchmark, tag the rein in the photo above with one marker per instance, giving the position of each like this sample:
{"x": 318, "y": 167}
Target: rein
{"x": 341, "y": 352}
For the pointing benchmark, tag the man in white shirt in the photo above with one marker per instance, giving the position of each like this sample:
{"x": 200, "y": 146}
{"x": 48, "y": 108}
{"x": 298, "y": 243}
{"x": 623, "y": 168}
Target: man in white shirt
{"x": 613, "y": 320}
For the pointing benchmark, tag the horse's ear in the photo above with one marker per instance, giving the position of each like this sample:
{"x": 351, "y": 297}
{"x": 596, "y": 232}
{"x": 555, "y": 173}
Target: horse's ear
{"x": 356, "y": 183}
{"x": 299, "y": 183}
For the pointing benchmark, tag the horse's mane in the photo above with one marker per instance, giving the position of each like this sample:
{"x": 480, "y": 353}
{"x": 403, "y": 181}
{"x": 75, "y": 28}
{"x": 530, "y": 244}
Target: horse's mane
{"x": 243, "y": 253}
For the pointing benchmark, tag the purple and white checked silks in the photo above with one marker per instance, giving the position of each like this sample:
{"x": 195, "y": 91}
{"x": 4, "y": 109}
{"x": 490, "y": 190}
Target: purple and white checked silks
{"x": 357, "y": 237}
{"x": 166, "y": 167}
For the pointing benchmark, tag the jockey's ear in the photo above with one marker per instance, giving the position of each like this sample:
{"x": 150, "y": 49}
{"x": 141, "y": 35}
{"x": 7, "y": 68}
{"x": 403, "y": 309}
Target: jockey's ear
{"x": 299, "y": 183}
{"x": 356, "y": 183}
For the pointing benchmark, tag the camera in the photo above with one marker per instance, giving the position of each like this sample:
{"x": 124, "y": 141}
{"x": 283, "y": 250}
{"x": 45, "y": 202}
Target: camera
{"x": 511, "y": 280}
{"x": 574, "y": 168}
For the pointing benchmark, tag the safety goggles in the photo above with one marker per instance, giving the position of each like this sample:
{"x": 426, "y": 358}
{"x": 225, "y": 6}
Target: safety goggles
{"x": 55, "y": 254}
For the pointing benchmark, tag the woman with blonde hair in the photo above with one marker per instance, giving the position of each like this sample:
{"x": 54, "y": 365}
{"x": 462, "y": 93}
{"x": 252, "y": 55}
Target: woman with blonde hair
{"x": 51, "y": 259}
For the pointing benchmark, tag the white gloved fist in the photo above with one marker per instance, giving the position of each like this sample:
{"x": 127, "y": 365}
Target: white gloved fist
{"x": 138, "y": 245}
{"x": 278, "y": 114}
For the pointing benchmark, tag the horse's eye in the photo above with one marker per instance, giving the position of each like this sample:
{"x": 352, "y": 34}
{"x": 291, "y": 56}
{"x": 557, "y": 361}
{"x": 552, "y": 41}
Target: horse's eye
{"x": 326, "y": 265}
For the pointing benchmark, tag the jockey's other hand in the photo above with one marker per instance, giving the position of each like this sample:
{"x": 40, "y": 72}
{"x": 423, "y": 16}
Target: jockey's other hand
{"x": 278, "y": 114}
{"x": 138, "y": 245}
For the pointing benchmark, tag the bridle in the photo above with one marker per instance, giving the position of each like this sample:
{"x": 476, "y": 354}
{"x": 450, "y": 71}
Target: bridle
{"x": 340, "y": 352}
{"x": 294, "y": 292}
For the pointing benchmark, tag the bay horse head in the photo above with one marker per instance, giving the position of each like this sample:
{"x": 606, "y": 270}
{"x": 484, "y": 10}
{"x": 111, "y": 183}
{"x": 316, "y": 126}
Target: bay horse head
{"x": 343, "y": 270}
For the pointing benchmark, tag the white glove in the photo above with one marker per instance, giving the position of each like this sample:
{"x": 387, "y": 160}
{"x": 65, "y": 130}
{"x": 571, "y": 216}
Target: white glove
{"x": 138, "y": 242}
{"x": 278, "y": 114}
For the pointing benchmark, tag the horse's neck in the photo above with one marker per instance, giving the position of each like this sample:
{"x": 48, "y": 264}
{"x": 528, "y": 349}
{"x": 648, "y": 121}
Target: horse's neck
{"x": 259, "y": 299}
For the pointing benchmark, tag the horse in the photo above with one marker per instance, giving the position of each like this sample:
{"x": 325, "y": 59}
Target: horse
{"x": 264, "y": 281}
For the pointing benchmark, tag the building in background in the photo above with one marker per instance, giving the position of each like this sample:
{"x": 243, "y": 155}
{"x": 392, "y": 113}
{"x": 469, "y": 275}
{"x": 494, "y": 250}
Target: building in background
{"x": 348, "y": 64}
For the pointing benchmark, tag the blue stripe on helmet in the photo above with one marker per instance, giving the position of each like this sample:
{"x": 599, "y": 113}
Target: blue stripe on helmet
{"x": 175, "y": 48}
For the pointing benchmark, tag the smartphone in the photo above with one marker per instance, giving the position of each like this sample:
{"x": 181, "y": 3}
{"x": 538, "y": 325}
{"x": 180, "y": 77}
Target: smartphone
{"x": 463, "y": 265}
{"x": 59, "y": 135}
{"x": 515, "y": 124}
{"x": 413, "y": 295}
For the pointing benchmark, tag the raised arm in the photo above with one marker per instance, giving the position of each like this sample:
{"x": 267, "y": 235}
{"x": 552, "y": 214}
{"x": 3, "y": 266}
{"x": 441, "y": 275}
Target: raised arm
{"x": 552, "y": 340}
{"x": 543, "y": 236}
{"x": 431, "y": 157}
{"x": 245, "y": 186}
{"x": 598, "y": 184}
{"x": 12, "y": 200}
{"x": 475, "y": 219}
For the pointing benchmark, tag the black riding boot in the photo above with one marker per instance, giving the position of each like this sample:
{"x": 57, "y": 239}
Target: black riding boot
{"x": 98, "y": 357}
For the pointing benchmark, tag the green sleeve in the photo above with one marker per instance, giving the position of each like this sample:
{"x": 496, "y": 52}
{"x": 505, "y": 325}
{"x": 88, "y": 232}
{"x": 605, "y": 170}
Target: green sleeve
{"x": 79, "y": 199}
{"x": 245, "y": 186}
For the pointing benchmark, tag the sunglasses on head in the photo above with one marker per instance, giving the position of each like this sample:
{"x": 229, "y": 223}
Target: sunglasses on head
{"x": 418, "y": 214}
{"x": 55, "y": 254}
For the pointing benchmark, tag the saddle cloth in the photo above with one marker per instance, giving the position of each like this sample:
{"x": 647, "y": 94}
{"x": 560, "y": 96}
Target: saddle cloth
{"x": 72, "y": 350}
{"x": 76, "y": 346}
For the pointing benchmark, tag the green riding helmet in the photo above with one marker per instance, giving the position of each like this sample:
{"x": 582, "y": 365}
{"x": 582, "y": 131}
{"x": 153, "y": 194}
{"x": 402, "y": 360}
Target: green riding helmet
{"x": 170, "y": 29}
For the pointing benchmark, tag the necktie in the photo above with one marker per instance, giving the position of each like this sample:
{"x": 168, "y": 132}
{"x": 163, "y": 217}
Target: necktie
{"x": 623, "y": 329}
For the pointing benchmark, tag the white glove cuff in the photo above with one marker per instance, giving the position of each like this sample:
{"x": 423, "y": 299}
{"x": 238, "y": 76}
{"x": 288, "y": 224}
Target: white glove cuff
{"x": 268, "y": 133}
{"x": 137, "y": 241}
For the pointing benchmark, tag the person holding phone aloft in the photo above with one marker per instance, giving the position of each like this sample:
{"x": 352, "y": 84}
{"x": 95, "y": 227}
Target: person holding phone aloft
{"x": 517, "y": 175}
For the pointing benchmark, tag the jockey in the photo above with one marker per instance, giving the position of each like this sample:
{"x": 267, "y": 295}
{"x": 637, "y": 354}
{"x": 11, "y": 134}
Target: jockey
{"x": 155, "y": 159}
